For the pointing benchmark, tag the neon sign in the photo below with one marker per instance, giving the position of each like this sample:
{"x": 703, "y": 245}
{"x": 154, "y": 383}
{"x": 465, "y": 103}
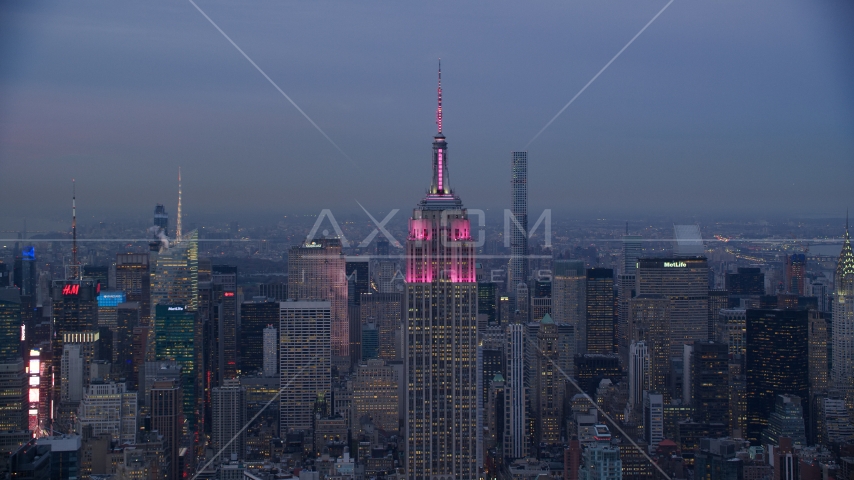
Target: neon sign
{"x": 675, "y": 264}
{"x": 71, "y": 289}
{"x": 227, "y": 294}
{"x": 175, "y": 309}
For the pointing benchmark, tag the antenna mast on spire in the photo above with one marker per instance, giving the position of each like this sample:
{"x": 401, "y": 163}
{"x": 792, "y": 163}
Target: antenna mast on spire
{"x": 75, "y": 266}
{"x": 178, "y": 227}
{"x": 439, "y": 109}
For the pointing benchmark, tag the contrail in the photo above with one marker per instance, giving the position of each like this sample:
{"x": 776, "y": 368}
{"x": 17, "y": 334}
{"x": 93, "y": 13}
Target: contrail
{"x": 599, "y": 73}
{"x": 272, "y": 82}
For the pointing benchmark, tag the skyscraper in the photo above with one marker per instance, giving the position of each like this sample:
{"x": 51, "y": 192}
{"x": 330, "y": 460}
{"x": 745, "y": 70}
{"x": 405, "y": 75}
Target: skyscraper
{"x": 515, "y": 394}
{"x": 167, "y": 419}
{"x": 650, "y": 323}
{"x": 632, "y": 251}
{"x": 229, "y": 415}
{"x": 161, "y": 219}
{"x": 600, "y": 310}
{"x": 796, "y": 266}
{"x": 710, "y": 378}
{"x": 548, "y": 391}
{"x": 441, "y": 328}
{"x": 175, "y": 336}
{"x": 224, "y": 312}
{"x": 685, "y": 282}
{"x": 316, "y": 271}
{"x": 777, "y": 362}
{"x": 133, "y": 278}
{"x": 75, "y": 311}
{"x": 255, "y": 317}
{"x": 384, "y": 310}
{"x": 518, "y": 271}
{"x": 270, "y": 354}
{"x": 843, "y": 323}
{"x": 569, "y": 299}
{"x": 175, "y": 276}
{"x": 10, "y": 325}
{"x": 305, "y": 367}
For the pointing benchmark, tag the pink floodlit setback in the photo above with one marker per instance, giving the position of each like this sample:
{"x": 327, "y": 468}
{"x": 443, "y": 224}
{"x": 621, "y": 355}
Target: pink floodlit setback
{"x": 419, "y": 229}
{"x": 441, "y": 190}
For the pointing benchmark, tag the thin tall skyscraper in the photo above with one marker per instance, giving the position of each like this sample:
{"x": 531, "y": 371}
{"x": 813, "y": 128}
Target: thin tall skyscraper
{"x": 843, "y": 323}
{"x": 518, "y": 271}
{"x": 441, "y": 328}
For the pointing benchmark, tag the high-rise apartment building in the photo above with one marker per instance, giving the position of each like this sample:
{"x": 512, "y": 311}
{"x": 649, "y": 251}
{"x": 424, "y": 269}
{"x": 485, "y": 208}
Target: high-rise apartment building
{"x": 843, "y": 323}
{"x": 518, "y": 271}
{"x": 316, "y": 272}
{"x": 601, "y": 319}
{"x": 305, "y": 368}
{"x": 777, "y": 362}
{"x": 229, "y": 416}
{"x": 134, "y": 278}
{"x": 685, "y": 282}
{"x": 569, "y": 299}
{"x": 440, "y": 308}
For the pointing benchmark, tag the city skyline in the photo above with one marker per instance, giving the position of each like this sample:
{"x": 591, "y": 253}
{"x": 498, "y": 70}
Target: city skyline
{"x": 205, "y": 107}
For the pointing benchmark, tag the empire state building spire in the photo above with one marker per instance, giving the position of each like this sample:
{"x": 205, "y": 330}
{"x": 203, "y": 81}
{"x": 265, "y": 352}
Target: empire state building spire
{"x": 440, "y": 185}
{"x": 439, "y": 108}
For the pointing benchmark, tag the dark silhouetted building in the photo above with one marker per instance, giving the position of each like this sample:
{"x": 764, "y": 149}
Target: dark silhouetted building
{"x": 777, "y": 362}
{"x": 592, "y": 368}
{"x": 255, "y": 316}
{"x": 601, "y": 321}
{"x": 710, "y": 381}
{"x": 133, "y": 278}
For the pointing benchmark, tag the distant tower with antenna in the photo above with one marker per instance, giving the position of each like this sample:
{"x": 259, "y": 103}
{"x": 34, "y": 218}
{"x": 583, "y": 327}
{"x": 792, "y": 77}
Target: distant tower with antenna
{"x": 178, "y": 224}
{"x": 74, "y": 268}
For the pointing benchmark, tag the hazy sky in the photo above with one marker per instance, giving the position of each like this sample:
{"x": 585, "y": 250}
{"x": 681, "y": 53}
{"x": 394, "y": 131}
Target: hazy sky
{"x": 719, "y": 106}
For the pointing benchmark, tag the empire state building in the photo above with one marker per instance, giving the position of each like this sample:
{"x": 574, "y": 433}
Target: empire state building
{"x": 441, "y": 331}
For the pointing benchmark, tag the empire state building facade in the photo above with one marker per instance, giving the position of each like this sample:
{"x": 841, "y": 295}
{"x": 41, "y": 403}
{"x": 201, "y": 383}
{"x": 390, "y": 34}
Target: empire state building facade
{"x": 441, "y": 331}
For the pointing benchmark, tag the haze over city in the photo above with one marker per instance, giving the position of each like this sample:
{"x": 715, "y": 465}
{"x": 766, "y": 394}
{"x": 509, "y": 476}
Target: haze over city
{"x": 718, "y": 107}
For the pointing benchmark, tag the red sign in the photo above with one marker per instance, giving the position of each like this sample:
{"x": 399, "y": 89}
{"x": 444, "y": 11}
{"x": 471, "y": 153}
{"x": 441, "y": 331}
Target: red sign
{"x": 227, "y": 294}
{"x": 71, "y": 289}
